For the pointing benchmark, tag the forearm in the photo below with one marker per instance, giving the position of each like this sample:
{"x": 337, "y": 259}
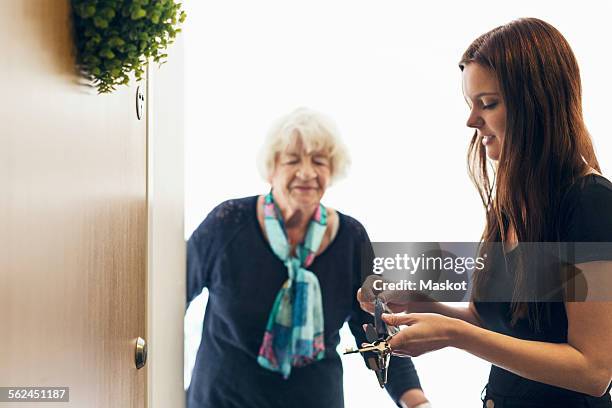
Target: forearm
{"x": 456, "y": 312}
{"x": 462, "y": 313}
{"x": 403, "y": 381}
{"x": 560, "y": 365}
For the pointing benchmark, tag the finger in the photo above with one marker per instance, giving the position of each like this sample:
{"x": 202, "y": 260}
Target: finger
{"x": 384, "y": 296}
{"x": 368, "y": 307}
{"x": 363, "y": 303}
{"x": 398, "y": 319}
{"x": 360, "y": 297}
{"x": 401, "y": 353}
{"x": 397, "y": 308}
{"x": 368, "y": 292}
{"x": 400, "y": 344}
{"x": 395, "y": 345}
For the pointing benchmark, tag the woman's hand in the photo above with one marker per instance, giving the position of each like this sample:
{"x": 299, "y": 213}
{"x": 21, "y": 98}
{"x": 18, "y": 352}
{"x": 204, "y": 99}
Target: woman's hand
{"x": 425, "y": 332}
{"x": 366, "y": 302}
{"x": 413, "y": 398}
{"x": 397, "y": 301}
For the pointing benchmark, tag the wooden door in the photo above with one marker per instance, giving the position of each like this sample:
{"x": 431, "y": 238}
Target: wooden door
{"x": 72, "y": 218}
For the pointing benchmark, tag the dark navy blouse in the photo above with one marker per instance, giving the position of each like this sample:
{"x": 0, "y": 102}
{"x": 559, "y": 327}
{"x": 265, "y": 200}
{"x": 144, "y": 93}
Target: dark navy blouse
{"x": 229, "y": 255}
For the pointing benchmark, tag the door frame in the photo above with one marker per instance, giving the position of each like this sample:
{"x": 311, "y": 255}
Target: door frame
{"x": 166, "y": 242}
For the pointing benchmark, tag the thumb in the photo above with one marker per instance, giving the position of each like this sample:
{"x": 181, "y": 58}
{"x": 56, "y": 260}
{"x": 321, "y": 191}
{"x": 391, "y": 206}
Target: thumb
{"x": 360, "y": 296}
{"x": 398, "y": 319}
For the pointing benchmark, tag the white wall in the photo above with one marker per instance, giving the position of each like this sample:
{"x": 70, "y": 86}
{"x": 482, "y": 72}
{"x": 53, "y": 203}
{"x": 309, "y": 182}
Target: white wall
{"x": 166, "y": 251}
{"x": 387, "y": 73}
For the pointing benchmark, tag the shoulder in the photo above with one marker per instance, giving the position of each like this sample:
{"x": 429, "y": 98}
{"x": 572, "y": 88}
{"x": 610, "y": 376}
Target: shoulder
{"x": 592, "y": 191}
{"x": 352, "y": 227}
{"x": 234, "y": 209}
{"x": 228, "y": 216}
{"x": 590, "y": 184}
{"x": 586, "y": 211}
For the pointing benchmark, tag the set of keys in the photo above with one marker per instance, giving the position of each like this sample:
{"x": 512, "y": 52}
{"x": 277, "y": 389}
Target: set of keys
{"x": 378, "y": 351}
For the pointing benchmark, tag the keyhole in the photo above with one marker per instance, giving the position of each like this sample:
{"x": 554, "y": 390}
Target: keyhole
{"x": 139, "y": 103}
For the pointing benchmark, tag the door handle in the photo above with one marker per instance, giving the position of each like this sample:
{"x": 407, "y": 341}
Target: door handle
{"x": 141, "y": 352}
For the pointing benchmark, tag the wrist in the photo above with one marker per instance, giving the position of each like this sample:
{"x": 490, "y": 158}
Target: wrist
{"x": 458, "y": 333}
{"x": 413, "y": 398}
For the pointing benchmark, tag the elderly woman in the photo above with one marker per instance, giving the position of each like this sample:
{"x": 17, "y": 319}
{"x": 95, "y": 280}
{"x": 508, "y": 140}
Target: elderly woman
{"x": 282, "y": 270}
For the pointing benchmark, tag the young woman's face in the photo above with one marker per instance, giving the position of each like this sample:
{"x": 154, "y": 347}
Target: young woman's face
{"x": 487, "y": 108}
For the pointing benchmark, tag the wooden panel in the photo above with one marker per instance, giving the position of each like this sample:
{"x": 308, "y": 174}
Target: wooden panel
{"x": 72, "y": 218}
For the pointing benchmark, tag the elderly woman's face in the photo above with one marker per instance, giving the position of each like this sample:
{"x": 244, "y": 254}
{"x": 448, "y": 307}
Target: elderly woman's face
{"x": 300, "y": 178}
{"x": 487, "y": 108}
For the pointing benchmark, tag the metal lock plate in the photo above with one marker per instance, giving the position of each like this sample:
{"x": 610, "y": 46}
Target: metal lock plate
{"x": 140, "y": 99}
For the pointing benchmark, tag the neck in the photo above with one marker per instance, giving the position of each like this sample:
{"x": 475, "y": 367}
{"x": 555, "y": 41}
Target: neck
{"x": 296, "y": 219}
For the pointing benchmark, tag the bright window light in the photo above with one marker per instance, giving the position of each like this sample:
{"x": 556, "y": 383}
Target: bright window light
{"x": 387, "y": 73}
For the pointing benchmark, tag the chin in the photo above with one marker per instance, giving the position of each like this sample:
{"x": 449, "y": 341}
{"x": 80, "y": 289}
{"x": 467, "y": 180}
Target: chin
{"x": 306, "y": 201}
{"x": 493, "y": 153}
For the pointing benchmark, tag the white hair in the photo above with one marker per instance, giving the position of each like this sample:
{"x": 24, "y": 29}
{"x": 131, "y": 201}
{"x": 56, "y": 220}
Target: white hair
{"x": 316, "y": 131}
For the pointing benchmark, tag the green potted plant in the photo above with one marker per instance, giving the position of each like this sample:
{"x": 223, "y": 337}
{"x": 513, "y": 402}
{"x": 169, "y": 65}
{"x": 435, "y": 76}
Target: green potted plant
{"x": 115, "y": 38}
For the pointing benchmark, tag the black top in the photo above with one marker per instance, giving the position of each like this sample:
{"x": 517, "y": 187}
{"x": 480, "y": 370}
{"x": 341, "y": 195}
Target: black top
{"x": 229, "y": 255}
{"x": 585, "y": 216}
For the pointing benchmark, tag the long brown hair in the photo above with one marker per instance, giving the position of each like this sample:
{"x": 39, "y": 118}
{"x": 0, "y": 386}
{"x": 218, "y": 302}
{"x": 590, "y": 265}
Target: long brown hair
{"x": 546, "y": 145}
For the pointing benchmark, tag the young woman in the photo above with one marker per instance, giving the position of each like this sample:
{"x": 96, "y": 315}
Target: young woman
{"x": 522, "y": 84}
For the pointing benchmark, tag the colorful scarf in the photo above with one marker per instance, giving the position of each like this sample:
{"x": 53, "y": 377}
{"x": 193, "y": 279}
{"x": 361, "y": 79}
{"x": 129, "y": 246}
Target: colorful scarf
{"x": 294, "y": 333}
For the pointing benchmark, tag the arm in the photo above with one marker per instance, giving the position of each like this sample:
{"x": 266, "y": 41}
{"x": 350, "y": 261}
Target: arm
{"x": 202, "y": 248}
{"x": 467, "y": 314}
{"x": 583, "y": 364}
{"x": 195, "y": 281}
{"x": 403, "y": 383}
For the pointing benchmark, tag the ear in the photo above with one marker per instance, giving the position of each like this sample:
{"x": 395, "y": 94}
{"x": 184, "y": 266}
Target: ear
{"x": 271, "y": 174}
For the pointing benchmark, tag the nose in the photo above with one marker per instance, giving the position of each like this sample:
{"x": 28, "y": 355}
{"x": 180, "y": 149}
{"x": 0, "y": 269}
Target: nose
{"x": 474, "y": 120}
{"x": 306, "y": 170}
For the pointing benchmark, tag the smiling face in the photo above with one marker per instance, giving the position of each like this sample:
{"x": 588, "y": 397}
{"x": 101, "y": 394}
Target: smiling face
{"x": 487, "y": 108}
{"x": 300, "y": 177}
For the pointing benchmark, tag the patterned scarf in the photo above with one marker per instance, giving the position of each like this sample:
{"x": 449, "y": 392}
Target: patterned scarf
{"x": 294, "y": 333}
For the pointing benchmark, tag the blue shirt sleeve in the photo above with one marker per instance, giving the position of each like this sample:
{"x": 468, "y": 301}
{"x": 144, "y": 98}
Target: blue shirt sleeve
{"x": 206, "y": 242}
{"x": 402, "y": 375}
{"x": 196, "y": 273}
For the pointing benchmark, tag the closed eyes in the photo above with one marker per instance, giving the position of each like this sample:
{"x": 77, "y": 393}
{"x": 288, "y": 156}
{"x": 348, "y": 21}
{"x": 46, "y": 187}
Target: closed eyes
{"x": 321, "y": 162}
